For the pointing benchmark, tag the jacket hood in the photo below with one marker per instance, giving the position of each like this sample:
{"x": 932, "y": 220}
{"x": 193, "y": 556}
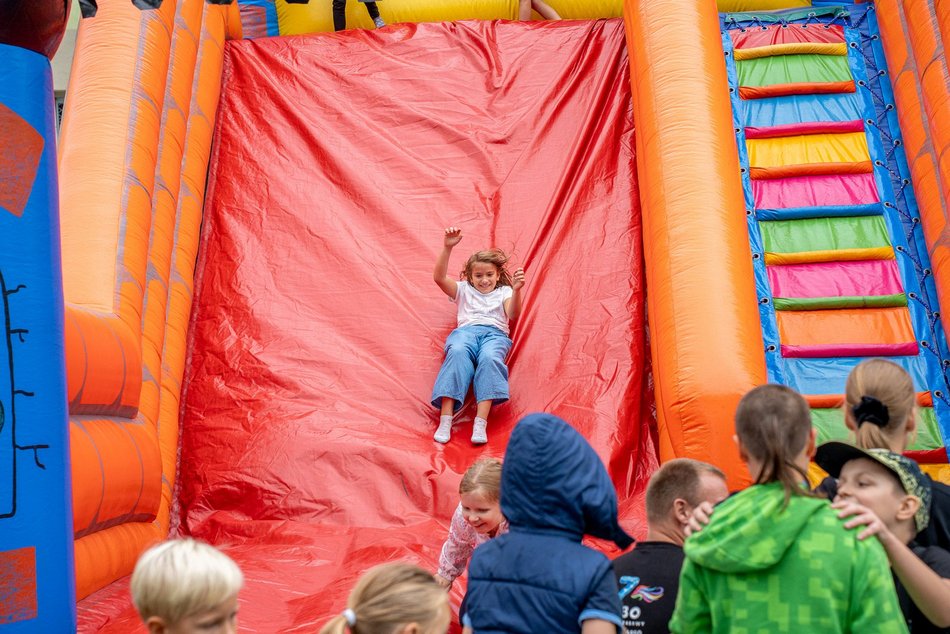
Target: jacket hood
{"x": 552, "y": 479}
{"x": 751, "y": 530}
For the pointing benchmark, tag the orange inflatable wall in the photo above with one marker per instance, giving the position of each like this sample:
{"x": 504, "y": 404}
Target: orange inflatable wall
{"x": 912, "y": 33}
{"x": 133, "y": 157}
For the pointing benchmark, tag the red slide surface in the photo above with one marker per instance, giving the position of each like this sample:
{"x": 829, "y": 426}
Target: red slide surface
{"x": 317, "y": 332}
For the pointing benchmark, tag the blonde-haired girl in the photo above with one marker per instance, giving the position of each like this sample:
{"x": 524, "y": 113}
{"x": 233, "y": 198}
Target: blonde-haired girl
{"x": 879, "y": 405}
{"x": 488, "y": 299}
{"x": 477, "y": 518}
{"x": 394, "y": 598}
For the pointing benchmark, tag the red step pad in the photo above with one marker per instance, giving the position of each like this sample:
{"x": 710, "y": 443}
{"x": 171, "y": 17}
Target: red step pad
{"x": 787, "y": 34}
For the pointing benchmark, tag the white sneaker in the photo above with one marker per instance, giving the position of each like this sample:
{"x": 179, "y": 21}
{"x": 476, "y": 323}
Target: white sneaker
{"x": 479, "y": 432}
{"x": 444, "y": 432}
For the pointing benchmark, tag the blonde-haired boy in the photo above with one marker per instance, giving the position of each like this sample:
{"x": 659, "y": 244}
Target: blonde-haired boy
{"x": 183, "y": 586}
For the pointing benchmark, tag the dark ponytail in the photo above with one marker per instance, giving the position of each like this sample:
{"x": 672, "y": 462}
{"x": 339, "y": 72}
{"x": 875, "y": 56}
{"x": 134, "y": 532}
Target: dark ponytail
{"x": 773, "y": 424}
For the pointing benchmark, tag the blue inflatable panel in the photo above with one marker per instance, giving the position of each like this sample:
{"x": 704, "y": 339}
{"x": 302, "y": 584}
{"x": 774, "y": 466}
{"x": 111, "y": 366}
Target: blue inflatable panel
{"x": 796, "y": 108}
{"x": 827, "y": 376}
{"x": 37, "y": 582}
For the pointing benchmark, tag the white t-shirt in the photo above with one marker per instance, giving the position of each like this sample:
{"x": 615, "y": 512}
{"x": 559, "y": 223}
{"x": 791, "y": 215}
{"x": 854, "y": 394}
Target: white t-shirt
{"x": 476, "y": 308}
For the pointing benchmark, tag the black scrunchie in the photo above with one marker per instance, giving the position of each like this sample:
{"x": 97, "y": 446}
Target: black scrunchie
{"x": 871, "y": 410}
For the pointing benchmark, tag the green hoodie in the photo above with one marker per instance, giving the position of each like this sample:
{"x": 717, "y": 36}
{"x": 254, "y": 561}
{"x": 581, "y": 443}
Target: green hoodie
{"x": 759, "y": 568}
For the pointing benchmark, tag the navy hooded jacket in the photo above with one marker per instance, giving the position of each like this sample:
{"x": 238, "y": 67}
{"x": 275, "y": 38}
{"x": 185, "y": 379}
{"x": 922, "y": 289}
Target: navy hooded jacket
{"x": 539, "y": 577}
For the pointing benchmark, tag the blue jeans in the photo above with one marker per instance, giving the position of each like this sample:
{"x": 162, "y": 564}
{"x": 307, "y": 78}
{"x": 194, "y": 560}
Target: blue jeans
{"x": 473, "y": 352}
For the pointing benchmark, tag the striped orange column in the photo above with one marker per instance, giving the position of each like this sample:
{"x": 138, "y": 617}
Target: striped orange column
{"x": 704, "y": 324}
{"x": 205, "y": 93}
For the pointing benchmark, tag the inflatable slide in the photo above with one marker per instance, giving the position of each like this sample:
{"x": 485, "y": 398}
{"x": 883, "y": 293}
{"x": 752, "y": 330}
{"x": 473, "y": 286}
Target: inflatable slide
{"x": 238, "y": 342}
{"x": 817, "y": 222}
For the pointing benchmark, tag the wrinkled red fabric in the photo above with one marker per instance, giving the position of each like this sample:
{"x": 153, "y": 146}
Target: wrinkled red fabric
{"x": 317, "y": 333}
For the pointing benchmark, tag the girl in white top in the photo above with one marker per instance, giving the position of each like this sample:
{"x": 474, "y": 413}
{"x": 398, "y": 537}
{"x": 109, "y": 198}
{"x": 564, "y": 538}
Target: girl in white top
{"x": 488, "y": 299}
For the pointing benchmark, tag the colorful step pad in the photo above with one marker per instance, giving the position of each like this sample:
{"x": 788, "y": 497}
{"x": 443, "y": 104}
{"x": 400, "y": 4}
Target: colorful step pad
{"x": 823, "y": 285}
{"x": 830, "y": 149}
{"x": 794, "y": 69}
{"x": 781, "y": 60}
{"x": 806, "y": 127}
{"x": 815, "y": 191}
{"x": 803, "y": 48}
{"x": 847, "y": 332}
{"x": 777, "y": 34}
{"x": 810, "y": 235}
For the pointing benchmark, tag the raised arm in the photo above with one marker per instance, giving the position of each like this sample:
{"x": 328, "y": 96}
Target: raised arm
{"x": 513, "y": 303}
{"x": 453, "y": 235}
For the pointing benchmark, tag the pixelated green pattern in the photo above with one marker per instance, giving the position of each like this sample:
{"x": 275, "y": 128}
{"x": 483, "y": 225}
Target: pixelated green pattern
{"x": 827, "y": 581}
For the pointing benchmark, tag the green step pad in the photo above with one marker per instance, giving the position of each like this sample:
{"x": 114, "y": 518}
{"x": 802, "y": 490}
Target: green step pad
{"x": 830, "y": 426}
{"x": 792, "y": 69}
{"x": 824, "y": 234}
{"x": 826, "y": 303}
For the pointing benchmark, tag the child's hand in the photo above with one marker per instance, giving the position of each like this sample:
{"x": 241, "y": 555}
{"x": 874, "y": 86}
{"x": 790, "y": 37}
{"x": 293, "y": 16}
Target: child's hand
{"x": 862, "y": 516}
{"x": 699, "y": 518}
{"x": 453, "y": 235}
{"x": 517, "y": 280}
{"x": 442, "y": 581}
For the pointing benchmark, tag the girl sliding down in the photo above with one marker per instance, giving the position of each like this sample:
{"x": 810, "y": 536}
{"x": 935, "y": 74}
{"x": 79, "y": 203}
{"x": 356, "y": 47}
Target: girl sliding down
{"x": 488, "y": 299}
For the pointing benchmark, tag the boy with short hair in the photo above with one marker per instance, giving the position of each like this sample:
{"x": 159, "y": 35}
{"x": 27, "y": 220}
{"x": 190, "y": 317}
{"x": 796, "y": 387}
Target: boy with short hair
{"x": 183, "y": 586}
{"x": 888, "y": 493}
{"x": 649, "y": 575}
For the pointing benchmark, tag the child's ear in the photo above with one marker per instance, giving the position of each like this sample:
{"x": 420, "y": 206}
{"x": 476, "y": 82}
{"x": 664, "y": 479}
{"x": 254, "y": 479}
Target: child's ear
{"x": 156, "y": 625}
{"x": 412, "y": 628}
{"x": 812, "y": 448}
{"x": 908, "y": 507}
